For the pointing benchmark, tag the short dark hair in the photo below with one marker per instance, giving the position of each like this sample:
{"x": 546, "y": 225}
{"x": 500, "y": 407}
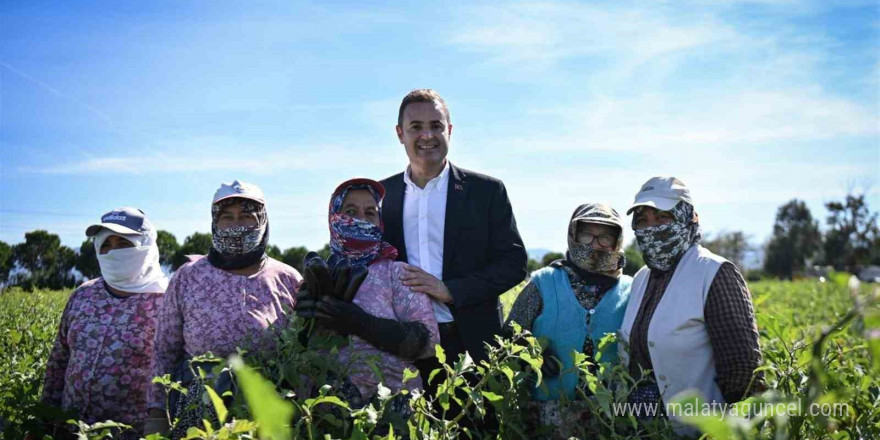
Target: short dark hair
{"x": 422, "y": 95}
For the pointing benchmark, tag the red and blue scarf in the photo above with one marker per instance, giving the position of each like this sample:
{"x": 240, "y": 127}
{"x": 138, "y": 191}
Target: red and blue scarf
{"x": 357, "y": 240}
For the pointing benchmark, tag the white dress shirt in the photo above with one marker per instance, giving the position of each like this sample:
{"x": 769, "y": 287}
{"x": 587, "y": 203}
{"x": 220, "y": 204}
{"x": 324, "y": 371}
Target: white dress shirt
{"x": 424, "y": 219}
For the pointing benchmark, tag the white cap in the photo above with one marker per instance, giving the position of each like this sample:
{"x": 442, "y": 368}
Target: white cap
{"x": 239, "y": 189}
{"x": 661, "y": 193}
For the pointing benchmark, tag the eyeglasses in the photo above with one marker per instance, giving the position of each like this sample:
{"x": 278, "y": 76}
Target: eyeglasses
{"x": 604, "y": 239}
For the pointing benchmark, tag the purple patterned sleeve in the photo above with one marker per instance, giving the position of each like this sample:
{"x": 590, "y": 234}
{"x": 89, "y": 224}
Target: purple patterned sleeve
{"x": 168, "y": 347}
{"x": 412, "y": 306}
{"x": 53, "y": 385}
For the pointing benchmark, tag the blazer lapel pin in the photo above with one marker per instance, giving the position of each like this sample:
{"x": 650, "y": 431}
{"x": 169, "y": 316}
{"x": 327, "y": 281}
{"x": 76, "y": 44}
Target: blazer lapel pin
{"x": 459, "y": 187}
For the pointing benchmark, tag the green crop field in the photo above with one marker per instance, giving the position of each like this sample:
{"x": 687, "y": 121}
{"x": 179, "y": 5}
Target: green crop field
{"x": 820, "y": 343}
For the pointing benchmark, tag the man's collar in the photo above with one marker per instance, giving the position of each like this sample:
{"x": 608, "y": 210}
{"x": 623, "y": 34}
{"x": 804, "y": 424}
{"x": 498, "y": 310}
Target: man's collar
{"x": 441, "y": 178}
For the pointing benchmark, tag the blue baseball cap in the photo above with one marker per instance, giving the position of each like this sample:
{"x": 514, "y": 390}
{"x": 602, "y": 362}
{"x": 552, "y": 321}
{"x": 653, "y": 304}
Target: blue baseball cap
{"x": 122, "y": 221}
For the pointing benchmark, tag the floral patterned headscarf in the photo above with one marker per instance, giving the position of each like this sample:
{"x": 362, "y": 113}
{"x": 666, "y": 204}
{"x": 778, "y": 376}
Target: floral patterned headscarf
{"x": 239, "y": 246}
{"x": 357, "y": 240}
{"x": 605, "y": 262}
{"x": 663, "y": 245}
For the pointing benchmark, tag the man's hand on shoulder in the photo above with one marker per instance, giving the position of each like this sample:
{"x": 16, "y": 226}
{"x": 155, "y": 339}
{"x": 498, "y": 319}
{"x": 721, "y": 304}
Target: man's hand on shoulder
{"x": 420, "y": 281}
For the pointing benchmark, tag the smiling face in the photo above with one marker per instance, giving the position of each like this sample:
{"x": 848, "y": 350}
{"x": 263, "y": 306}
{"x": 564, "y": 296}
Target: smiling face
{"x": 646, "y": 217}
{"x": 360, "y": 204}
{"x": 425, "y": 133}
{"x": 114, "y": 242}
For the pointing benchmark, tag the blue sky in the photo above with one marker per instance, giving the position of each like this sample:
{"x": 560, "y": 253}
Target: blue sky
{"x": 153, "y": 104}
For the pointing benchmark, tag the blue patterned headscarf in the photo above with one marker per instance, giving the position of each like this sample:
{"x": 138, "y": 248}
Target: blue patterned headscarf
{"x": 357, "y": 240}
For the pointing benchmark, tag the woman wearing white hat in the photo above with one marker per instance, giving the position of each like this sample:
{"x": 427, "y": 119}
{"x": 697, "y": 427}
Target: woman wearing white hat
{"x": 100, "y": 363}
{"x": 229, "y": 299}
{"x": 690, "y": 318}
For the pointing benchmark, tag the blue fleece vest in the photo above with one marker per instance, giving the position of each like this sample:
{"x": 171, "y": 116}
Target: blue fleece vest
{"x": 563, "y": 321}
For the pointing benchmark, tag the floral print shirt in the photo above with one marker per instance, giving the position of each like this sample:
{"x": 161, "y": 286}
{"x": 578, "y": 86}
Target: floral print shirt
{"x": 208, "y": 309}
{"x": 100, "y": 363}
{"x": 383, "y": 295}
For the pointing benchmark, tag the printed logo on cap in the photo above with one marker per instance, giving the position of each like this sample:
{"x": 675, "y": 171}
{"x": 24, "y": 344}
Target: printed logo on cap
{"x": 116, "y": 217}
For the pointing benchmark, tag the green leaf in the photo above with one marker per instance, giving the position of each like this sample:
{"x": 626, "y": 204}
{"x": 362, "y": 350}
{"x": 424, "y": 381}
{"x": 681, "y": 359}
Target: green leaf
{"x": 691, "y": 412}
{"x": 390, "y": 435}
{"x": 464, "y": 362}
{"x": 269, "y": 411}
{"x": 492, "y": 397}
{"x": 15, "y": 336}
{"x": 219, "y": 406}
{"x": 409, "y": 374}
{"x": 441, "y": 355}
{"x": 333, "y": 400}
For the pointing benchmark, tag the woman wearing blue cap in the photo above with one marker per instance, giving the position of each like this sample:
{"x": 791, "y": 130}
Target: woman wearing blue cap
{"x": 100, "y": 363}
{"x": 690, "y": 319}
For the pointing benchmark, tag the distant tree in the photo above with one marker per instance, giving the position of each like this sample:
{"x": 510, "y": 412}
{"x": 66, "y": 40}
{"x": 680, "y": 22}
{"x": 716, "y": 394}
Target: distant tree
{"x": 852, "y": 233}
{"x": 5, "y": 261}
{"x": 533, "y": 265}
{"x": 87, "y": 260}
{"x": 293, "y": 257}
{"x": 168, "y": 247}
{"x": 273, "y": 251}
{"x": 634, "y": 259}
{"x": 731, "y": 245}
{"x": 47, "y": 263}
{"x": 795, "y": 240}
{"x": 550, "y": 257}
{"x": 199, "y": 243}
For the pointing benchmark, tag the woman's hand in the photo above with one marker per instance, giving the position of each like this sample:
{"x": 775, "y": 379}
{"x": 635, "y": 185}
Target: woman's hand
{"x": 342, "y": 317}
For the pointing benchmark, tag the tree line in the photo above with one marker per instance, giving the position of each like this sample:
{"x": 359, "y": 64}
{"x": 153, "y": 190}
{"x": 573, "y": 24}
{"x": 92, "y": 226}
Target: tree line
{"x": 851, "y": 240}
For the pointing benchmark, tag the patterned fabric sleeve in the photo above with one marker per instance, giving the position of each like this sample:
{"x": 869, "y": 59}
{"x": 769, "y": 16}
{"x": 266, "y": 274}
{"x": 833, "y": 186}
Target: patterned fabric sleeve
{"x": 730, "y": 322}
{"x": 526, "y": 308}
{"x": 168, "y": 350}
{"x": 56, "y": 366}
{"x": 417, "y": 313}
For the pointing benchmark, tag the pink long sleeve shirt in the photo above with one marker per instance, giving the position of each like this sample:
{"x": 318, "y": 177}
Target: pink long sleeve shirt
{"x": 100, "y": 363}
{"x": 383, "y": 295}
{"x": 207, "y": 309}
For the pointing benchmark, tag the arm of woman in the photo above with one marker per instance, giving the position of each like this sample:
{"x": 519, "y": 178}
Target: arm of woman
{"x": 733, "y": 333}
{"x": 411, "y": 336}
{"x": 416, "y": 312}
{"x": 406, "y": 339}
{"x": 526, "y": 308}
{"x": 56, "y": 366}
{"x": 168, "y": 349}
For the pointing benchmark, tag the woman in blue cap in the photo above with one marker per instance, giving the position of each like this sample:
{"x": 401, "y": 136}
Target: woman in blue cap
{"x": 100, "y": 363}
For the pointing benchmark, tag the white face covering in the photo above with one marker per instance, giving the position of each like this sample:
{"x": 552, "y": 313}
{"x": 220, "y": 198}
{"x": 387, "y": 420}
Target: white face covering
{"x": 135, "y": 269}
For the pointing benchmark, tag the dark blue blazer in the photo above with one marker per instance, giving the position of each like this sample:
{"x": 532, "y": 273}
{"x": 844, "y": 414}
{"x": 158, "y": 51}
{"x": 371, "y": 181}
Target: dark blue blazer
{"x": 483, "y": 254}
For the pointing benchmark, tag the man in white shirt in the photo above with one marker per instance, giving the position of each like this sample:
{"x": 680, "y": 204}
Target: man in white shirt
{"x": 454, "y": 227}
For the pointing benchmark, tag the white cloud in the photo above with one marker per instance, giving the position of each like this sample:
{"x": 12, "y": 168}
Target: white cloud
{"x": 242, "y": 159}
{"x": 536, "y": 36}
{"x": 672, "y": 124}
